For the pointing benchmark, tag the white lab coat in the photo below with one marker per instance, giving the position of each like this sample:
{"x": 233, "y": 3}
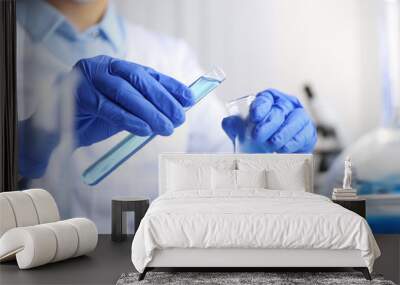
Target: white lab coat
{"x": 201, "y": 132}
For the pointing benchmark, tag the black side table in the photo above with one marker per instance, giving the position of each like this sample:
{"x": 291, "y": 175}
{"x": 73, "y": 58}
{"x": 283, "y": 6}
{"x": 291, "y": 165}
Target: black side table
{"x": 120, "y": 206}
{"x": 357, "y": 206}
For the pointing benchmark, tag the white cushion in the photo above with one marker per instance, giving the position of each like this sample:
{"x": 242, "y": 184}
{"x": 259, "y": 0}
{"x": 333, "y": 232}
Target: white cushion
{"x": 67, "y": 238}
{"x": 251, "y": 179}
{"x": 281, "y": 174}
{"x": 170, "y": 172}
{"x": 284, "y": 162}
{"x": 45, "y": 205}
{"x": 23, "y": 208}
{"x": 31, "y": 233}
{"x": 232, "y": 179}
{"x": 87, "y": 233}
{"x": 7, "y": 218}
{"x": 223, "y": 179}
{"x": 183, "y": 177}
{"x": 293, "y": 179}
{"x": 27, "y": 208}
{"x": 33, "y": 246}
{"x": 40, "y": 244}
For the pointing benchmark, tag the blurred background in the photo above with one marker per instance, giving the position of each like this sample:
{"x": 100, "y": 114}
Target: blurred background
{"x": 341, "y": 57}
{"x": 333, "y": 45}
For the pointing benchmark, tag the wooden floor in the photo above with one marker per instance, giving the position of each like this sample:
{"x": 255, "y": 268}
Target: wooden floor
{"x": 103, "y": 266}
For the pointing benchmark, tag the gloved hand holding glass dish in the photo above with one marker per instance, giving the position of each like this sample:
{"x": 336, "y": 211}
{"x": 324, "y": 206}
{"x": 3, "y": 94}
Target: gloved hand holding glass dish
{"x": 269, "y": 122}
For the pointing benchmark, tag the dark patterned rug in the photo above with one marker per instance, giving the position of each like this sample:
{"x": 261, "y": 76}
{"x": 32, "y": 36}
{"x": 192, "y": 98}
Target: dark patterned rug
{"x": 243, "y": 278}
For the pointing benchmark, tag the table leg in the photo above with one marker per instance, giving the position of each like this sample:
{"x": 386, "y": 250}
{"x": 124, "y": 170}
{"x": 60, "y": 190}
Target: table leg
{"x": 140, "y": 211}
{"x": 118, "y": 217}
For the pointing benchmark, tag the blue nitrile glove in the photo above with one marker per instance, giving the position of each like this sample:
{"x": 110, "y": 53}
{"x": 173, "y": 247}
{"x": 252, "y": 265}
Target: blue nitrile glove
{"x": 281, "y": 124}
{"x": 114, "y": 95}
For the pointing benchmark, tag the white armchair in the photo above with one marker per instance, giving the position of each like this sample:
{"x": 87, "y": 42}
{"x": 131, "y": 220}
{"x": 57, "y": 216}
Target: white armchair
{"x": 31, "y": 230}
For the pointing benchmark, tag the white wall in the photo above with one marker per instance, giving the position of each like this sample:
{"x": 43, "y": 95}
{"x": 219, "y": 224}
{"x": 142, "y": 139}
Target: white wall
{"x": 332, "y": 44}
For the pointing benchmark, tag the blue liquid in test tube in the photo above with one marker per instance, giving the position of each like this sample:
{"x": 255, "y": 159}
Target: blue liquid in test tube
{"x": 132, "y": 143}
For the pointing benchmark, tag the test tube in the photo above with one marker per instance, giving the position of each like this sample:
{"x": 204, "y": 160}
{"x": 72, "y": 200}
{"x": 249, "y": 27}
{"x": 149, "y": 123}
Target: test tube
{"x": 131, "y": 144}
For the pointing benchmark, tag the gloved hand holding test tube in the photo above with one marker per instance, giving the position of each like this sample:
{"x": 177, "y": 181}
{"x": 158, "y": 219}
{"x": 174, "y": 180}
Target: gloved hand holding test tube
{"x": 106, "y": 164}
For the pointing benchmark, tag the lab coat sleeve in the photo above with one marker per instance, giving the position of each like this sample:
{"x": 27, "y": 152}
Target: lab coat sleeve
{"x": 47, "y": 126}
{"x": 44, "y": 112}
